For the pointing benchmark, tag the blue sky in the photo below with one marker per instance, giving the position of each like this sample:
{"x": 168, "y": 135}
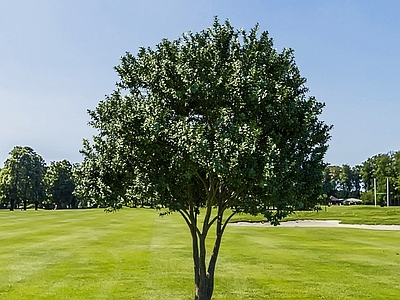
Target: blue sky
{"x": 57, "y": 59}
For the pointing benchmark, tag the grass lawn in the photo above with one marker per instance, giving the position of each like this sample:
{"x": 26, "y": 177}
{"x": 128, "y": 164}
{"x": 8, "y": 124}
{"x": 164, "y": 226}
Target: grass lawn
{"x": 353, "y": 214}
{"x": 134, "y": 254}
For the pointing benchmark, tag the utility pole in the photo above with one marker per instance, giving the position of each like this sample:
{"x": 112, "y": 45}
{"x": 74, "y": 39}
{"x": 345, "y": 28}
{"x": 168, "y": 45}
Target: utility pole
{"x": 387, "y": 191}
{"x": 375, "y": 191}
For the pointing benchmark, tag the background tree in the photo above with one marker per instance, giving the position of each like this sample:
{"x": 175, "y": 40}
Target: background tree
{"x": 356, "y": 181}
{"x": 210, "y": 125}
{"x": 23, "y": 182}
{"x": 396, "y": 179}
{"x": 367, "y": 171}
{"x": 4, "y": 186}
{"x": 60, "y": 184}
{"x": 342, "y": 181}
{"x": 345, "y": 180}
{"x": 331, "y": 183}
{"x": 381, "y": 167}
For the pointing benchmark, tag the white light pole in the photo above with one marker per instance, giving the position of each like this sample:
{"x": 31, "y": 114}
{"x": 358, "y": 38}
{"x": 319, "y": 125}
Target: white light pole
{"x": 387, "y": 191}
{"x": 375, "y": 191}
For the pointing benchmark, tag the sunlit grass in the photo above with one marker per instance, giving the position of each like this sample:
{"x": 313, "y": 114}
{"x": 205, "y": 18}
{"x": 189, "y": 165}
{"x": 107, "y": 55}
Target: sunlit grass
{"x": 135, "y": 254}
{"x": 354, "y": 214}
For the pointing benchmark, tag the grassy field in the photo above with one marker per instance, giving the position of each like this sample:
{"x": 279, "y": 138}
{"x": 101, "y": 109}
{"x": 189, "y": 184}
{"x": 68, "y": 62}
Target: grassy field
{"x": 355, "y": 214}
{"x": 134, "y": 254}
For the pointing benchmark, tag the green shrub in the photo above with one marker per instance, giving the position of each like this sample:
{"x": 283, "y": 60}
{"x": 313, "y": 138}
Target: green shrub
{"x": 368, "y": 197}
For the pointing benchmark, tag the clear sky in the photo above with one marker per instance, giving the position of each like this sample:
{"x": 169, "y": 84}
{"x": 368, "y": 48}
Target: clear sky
{"x": 57, "y": 59}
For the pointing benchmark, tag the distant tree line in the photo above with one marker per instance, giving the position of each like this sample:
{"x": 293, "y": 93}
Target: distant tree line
{"x": 342, "y": 181}
{"x": 358, "y": 181}
{"x": 26, "y": 181}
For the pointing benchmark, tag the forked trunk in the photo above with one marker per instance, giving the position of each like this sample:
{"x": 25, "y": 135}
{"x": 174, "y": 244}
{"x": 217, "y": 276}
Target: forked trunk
{"x": 204, "y": 277}
{"x": 204, "y": 291}
{"x": 204, "y": 284}
{"x": 12, "y": 205}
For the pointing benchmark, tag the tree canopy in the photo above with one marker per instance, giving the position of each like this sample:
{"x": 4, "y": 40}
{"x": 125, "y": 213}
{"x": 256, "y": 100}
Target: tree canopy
{"x": 381, "y": 167}
{"x": 210, "y": 125}
{"x": 27, "y": 180}
{"x": 60, "y": 184}
{"x": 22, "y": 177}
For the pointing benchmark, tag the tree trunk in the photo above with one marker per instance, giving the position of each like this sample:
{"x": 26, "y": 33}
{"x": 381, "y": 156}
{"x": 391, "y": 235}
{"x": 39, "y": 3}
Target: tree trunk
{"x": 73, "y": 202}
{"x": 204, "y": 285}
{"x": 12, "y": 205}
{"x": 204, "y": 277}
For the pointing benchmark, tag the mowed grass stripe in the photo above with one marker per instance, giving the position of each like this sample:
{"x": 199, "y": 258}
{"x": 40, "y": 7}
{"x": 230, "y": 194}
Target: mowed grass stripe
{"x": 313, "y": 263}
{"x": 106, "y": 250}
{"x": 354, "y": 214}
{"x": 35, "y": 224}
{"x": 63, "y": 247}
{"x": 104, "y": 270}
{"x": 135, "y": 254}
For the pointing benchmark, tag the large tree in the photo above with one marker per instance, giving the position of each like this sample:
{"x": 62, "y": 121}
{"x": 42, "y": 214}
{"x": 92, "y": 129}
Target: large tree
{"x": 23, "y": 177}
{"x": 60, "y": 184}
{"x": 210, "y": 125}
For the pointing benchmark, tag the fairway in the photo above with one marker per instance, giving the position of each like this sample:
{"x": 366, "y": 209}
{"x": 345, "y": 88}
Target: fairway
{"x": 135, "y": 254}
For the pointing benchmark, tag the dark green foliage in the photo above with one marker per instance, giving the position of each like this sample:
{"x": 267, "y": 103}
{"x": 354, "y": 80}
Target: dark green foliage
{"x": 22, "y": 178}
{"x": 342, "y": 181}
{"x": 382, "y": 167}
{"x": 26, "y": 181}
{"x": 217, "y": 119}
{"x": 60, "y": 184}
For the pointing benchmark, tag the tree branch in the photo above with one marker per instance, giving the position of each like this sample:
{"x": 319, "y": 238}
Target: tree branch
{"x": 185, "y": 216}
{"x": 227, "y": 221}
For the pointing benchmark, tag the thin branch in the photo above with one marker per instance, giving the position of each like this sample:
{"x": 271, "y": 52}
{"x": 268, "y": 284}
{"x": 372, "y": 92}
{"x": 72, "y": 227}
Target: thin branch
{"x": 185, "y": 216}
{"x": 193, "y": 218}
{"x": 209, "y": 205}
{"x": 213, "y": 220}
{"x": 227, "y": 221}
{"x": 202, "y": 180}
